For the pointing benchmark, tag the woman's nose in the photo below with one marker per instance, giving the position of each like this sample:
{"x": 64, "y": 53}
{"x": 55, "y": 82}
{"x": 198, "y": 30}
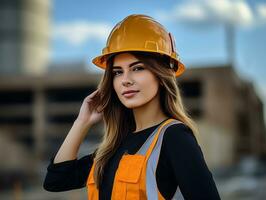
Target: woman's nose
{"x": 126, "y": 81}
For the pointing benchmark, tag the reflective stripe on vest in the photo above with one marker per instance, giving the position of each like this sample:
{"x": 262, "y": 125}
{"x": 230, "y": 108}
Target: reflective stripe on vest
{"x": 135, "y": 177}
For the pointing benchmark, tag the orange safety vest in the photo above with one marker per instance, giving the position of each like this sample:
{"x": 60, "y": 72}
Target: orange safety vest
{"x": 135, "y": 177}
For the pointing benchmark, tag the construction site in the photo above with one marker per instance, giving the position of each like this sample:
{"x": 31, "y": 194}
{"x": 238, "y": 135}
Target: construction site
{"x": 38, "y": 105}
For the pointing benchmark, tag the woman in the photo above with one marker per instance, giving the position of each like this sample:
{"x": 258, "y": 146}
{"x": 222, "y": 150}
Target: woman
{"x": 149, "y": 149}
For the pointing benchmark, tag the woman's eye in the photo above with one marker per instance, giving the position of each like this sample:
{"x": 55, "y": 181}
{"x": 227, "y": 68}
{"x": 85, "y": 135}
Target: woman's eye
{"x": 116, "y": 73}
{"x": 138, "y": 68}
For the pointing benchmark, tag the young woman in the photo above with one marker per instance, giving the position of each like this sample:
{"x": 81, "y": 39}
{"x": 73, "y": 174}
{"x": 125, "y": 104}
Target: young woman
{"x": 149, "y": 149}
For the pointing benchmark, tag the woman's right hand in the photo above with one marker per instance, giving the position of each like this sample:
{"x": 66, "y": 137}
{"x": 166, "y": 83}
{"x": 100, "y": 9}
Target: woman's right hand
{"x": 87, "y": 114}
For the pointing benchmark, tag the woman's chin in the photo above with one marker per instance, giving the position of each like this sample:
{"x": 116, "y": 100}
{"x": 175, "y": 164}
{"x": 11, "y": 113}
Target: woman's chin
{"x": 132, "y": 105}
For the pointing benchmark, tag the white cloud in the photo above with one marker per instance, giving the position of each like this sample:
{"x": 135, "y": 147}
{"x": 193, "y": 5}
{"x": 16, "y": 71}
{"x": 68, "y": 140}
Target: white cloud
{"x": 196, "y": 12}
{"x": 261, "y": 10}
{"x": 78, "y": 32}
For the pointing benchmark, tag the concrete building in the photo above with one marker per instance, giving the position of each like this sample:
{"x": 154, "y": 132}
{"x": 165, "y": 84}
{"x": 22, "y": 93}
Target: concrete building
{"x": 24, "y": 36}
{"x": 38, "y": 111}
{"x": 228, "y": 112}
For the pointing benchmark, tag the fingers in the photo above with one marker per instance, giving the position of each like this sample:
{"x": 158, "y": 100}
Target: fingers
{"x": 92, "y": 95}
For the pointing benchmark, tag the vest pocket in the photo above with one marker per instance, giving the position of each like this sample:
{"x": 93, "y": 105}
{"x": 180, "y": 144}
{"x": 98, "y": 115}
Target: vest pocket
{"x": 128, "y": 177}
{"x": 130, "y": 167}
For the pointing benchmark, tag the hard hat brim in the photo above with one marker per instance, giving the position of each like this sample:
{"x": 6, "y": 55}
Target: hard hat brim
{"x": 100, "y": 61}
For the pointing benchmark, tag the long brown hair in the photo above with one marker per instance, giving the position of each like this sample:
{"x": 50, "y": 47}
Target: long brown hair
{"x": 119, "y": 120}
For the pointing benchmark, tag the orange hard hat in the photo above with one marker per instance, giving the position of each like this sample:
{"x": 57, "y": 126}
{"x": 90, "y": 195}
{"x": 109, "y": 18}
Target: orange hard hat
{"x": 140, "y": 33}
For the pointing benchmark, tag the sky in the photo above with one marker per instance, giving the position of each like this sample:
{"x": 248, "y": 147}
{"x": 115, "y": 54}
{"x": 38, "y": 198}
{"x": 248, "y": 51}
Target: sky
{"x": 80, "y": 29}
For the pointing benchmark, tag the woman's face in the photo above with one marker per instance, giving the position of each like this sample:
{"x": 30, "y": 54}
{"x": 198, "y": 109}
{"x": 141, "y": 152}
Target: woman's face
{"x": 131, "y": 74}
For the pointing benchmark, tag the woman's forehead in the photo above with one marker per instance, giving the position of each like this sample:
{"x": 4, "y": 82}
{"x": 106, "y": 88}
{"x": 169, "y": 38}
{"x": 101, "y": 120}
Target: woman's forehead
{"x": 125, "y": 60}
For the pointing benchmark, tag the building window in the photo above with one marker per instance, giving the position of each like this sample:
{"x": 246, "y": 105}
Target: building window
{"x": 191, "y": 88}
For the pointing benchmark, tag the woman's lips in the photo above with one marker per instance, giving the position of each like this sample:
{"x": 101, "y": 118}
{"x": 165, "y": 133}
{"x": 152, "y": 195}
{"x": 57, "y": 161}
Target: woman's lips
{"x": 131, "y": 94}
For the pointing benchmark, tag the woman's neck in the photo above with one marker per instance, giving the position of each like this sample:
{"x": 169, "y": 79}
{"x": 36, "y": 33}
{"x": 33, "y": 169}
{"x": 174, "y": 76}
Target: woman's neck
{"x": 148, "y": 115}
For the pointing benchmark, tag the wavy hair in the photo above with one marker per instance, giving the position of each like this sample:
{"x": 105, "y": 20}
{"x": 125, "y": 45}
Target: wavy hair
{"x": 119, "y": 120}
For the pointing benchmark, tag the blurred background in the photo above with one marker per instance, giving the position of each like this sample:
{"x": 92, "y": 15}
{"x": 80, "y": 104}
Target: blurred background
{"x": 46, "y": 49}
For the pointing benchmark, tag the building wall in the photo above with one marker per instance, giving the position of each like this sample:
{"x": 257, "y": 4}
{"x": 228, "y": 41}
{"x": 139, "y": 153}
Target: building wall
{"x": 229, "y": 114}
{"x": 24, "y": 36}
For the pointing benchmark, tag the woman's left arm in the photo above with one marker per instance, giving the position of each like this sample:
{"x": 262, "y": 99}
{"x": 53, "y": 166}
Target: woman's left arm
{"x": 190, "y": 169}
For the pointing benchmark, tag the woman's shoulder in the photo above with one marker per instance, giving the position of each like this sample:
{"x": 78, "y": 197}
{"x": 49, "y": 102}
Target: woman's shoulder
{"x": 179, "y": 134}
{"x": 180, "y": 141}
{"x": 179, "y": 128}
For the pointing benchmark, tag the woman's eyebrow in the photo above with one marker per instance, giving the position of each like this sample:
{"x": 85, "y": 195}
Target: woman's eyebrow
{"x": 130, "y": 65}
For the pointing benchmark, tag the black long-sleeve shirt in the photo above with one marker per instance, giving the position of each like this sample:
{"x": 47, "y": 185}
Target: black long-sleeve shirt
{"x": 181, "y": 163}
